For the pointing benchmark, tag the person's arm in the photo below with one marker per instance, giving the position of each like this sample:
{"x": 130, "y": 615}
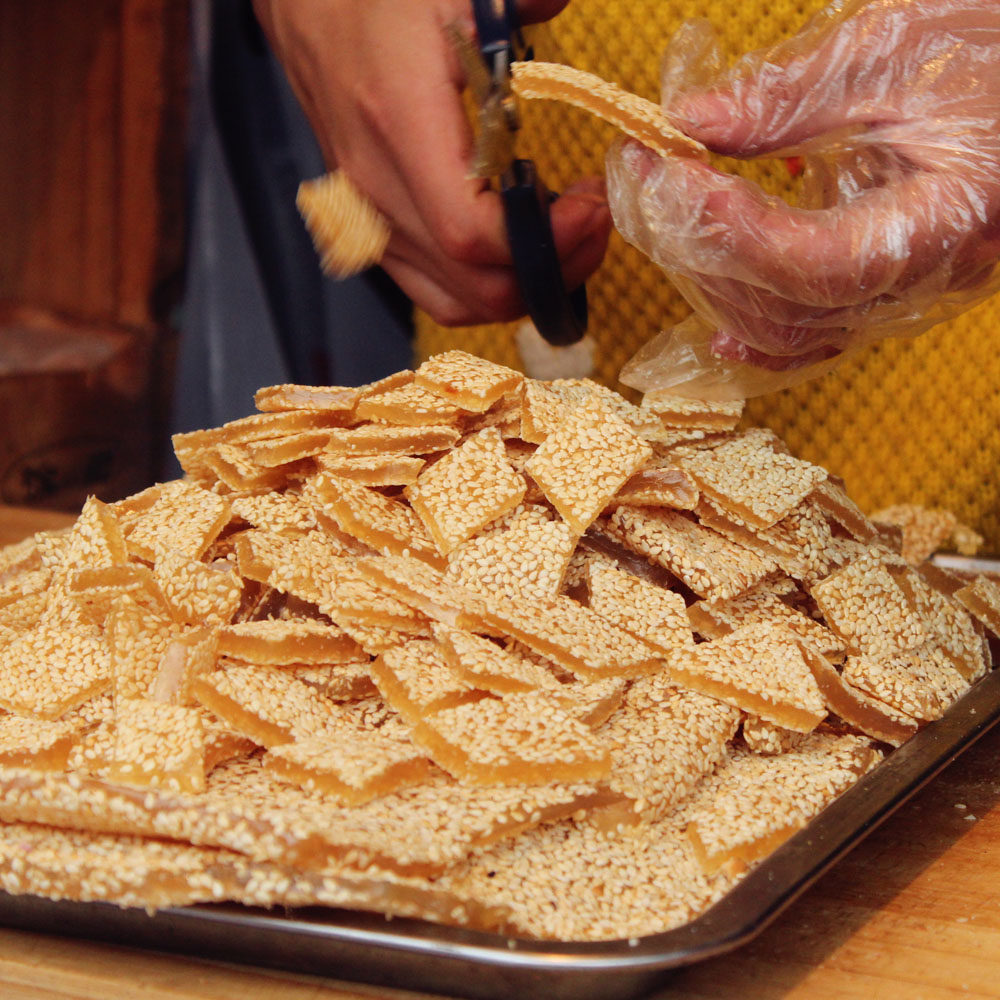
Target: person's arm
{"x": 382, "y": 89}
{"x": 896, "y": 106}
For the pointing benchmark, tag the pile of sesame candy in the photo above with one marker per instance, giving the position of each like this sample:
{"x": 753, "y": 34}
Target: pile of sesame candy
{"x": 512, "y": 654}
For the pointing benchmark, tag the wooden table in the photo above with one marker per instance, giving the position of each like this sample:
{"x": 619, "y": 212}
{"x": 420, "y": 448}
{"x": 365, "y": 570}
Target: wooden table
{"x": 913, "y": 912}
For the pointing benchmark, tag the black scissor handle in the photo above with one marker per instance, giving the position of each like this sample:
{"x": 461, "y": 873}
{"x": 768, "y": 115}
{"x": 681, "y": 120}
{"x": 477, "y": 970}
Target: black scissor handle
{"x": 498, "y": 29}
{"x": 559, "y": 316}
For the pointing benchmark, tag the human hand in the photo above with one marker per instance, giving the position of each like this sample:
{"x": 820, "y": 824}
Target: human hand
{"x": 895, "y": 105}
{"x": 382, "y": 89}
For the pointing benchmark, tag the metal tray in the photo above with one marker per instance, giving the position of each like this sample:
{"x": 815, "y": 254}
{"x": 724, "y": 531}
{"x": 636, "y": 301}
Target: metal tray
{"x": 417, "y": 955}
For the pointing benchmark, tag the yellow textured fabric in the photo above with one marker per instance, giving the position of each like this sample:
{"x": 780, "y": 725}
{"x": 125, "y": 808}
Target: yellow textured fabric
{"x": 912, "y": 420}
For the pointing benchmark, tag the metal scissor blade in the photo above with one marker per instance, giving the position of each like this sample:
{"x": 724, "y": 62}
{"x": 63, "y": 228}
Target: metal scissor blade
{"x": 476, "y": 74}
{"x": 493, "y": 147}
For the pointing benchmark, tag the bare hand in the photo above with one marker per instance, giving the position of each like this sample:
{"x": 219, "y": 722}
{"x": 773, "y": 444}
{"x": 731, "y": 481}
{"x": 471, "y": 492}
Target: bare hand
{"x": 382, "y": 89}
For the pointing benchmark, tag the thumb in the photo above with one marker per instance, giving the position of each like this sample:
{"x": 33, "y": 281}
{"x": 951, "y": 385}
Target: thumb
{"x": 774, "y": 108}
{"x": 533, "y": 11}
{"x": 784, "y": 95}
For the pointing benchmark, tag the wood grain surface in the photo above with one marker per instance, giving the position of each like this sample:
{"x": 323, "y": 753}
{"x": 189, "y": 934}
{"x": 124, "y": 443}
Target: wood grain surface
{"x": 913, "y": 912}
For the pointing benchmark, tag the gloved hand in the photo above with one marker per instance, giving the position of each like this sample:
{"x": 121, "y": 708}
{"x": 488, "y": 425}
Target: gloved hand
{"x": 895, "y": 105}
{"x": 382, "y": 90}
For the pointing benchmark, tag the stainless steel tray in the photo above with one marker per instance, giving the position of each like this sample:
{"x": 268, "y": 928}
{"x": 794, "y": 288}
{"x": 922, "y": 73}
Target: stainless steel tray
{"x": 422, "y": 956}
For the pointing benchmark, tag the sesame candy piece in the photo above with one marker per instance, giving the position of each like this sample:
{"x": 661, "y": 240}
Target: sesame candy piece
{"x": 393, "y": 381}
{"x": 636, "y": 116}
{"x": 90, "y": 755}
{"x": 465, "y": 490}
{"x": 582, "y": 464}
{"x": 949, "y": 627}
{"x": 389, "y": 526}
{"x": 100, "y": 708}
{"x": 372, "y": 470}
{"x": 712, "y": 565}
{"x": 417, "y": 830}
{"x": 832, "y": 498}
{"x": 37, "y": 743}
{"x": 284, "y": 513}
{"x": 766, "y": 738}
{"x": 158, "y": 746}
{"x": 185, "y": 518}
{"x": 657, "y": 486}
{"x": 543, "y": 409}
{"x": 591, "y": 702}
{"x": 127, "y": 871}
{"x": 282, "y": 562}
{"x": 919, "y": 683}
{"x": 424, "y": 588}
{"x": 552, "y": 886}
{"x": 222, "y": 744}
{"x": 187, "y": 657}
{"x": 280, "y": 642}
{"x": 759, "y": 668}
{"x": 19, "y": 557}
{"x": 271, "y": 454}
{"x": 489, "y": 667}
{"x": 344, "y": 593}
{"x": 504, "y": 415}
{"x": 268, "y": 706}
{"x": 257, "y": 427}
{"x": 760, "y": 485}
{"x": 576, "y": 638}
{"x": 863, "y": 603}
{"x": 546, "y": 405}
{"x": 714, "y": 619}
{"x": 350, "y": 765}
{"x": 526, "y": 555}
{"x": 196, "y": 591}
{"x": 754, "y": 803}
{"x": 29, "y": 583}
{"x": 24, "y": 612}
{"x": 309, "y": 568}
{"x": 465, "y": 380}
{"x": 981, "y": 598}
{"x": 518, "y": 739}
{"x": 374, "y": 439}
{"x": 376, "y": 639}
{"x": 52, "y": 668}
{"x": 663, "y": 740}
{"x": 339, "y": 681}
{"x": 801, "y": 543}
{"x": 95, "y": 590}
{"x": 857, "y": 708}
{"x": 137, "y": 639}
{"x": 416, "y": 679}
{"x": 96, "y": 538}
{"x": 655, "y": 615}
{"x": 926, "y": 530}
{"x": 233, "y": 466}
{"x": 331, "y": 399}
{"x": 700, "y": 414}
{"x": 408, "y": 405}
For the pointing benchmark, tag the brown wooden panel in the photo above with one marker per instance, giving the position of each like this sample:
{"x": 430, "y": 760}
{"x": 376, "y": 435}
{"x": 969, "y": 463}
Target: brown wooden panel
{"x": 92, "y": 147}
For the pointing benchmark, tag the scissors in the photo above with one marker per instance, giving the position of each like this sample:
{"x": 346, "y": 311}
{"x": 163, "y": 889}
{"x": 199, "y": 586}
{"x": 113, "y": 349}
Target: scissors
{"x": 560, "y": 316}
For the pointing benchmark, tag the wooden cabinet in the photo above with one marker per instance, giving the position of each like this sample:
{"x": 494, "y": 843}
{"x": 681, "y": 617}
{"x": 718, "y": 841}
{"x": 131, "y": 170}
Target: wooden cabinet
{"x": 92, "y": 218}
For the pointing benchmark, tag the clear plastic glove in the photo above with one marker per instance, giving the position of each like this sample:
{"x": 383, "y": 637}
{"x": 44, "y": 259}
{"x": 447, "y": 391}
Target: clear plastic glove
{"x": 895, "y": 107}
{"x": 382, "y": 90}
